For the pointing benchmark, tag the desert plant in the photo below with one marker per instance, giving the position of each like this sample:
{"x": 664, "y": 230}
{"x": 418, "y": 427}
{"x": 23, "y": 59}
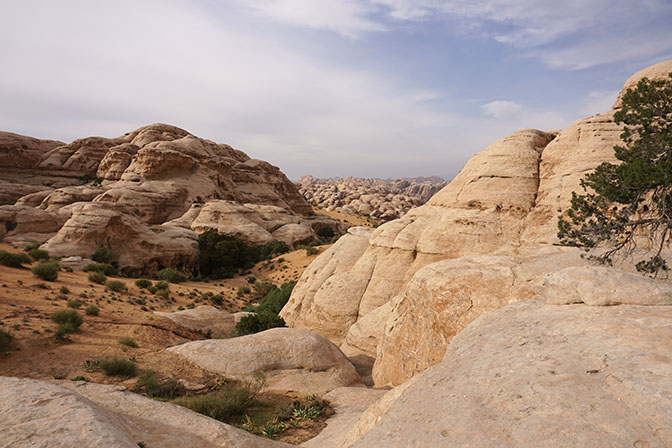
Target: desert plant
{"x": 68, "y": 321}
{"x": 143, "y": 283}
{"x": 163, "y": 293}
{"x": 6, "y": 339}
{"x": 276, "y": 298}
{"x": 310, "y": 251}
{"x": 97, "y": 277}
{"x": 149, "y": 381}
{"x": 162, "y": 285}
{"x": 38, "y": 254}
{"x": 217, "y": 299}
{"x": 229, "y": 402}
{"x": 251, "y": 280}
{"x": 118, "y": 367}
{"x": 64, "y": 290}
{"x": 75, "y": 303}
{"x": 13, "y": 260}
{"x": 326, "y": 233}
{"x": 105, "y": 268}
{"x": 91, "y": 310}
{"x": 128, "y": 342}
{"x": 47, "y": 270}
{"x": 171, "y": 275}
{"x": 104, "y": 255}
{"x": 255, "y": 323}
{"x": 115, "y": 285}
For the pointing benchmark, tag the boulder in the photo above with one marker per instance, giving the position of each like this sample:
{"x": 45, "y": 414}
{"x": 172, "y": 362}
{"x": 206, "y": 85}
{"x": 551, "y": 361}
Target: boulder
{"x": 532, "y": 374}
{"x": 206, "y": 319}
{"x": 291, "y": 360}
{"x": 37, "y": 413}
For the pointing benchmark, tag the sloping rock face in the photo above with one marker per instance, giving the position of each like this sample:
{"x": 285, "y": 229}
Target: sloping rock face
{"x": 419, "y": 279}
{"x": 206, "y": 319}
{"x": 291, "y": 359}
{"x": 532, "y": 374}
{"x": 150, "y": 177}
{"x": 42, "y": 414}
{"x": 381, "y": 199}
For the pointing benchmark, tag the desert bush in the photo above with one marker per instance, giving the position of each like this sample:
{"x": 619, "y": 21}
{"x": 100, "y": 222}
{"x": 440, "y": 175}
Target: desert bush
{"x": 118, "y": 367}
{"x": 251, "y": 280}
{"x": 6, "y": 339}
{"x": 229, "y": 402}
{"x": 152, "y": 289}
{"x": 255, "y": 323}
{"x": 97, "y": 277}
{"x": 38, "y": 254}
{"x": 105, "y": 268}
{"x": 13, "y": 260}
{"x": 104, "y": 255}
{"x": 276, "y": 298}
{"x": 217, "y": 299}
{"x": 310, "y": 251}
{"x": 64, "y": 290}
{"x": 143, "y": 283}
{"x": 68, "y": 321}
{"x": 163, "y": 293}
{"x": 75, "y": 303}
{"x": 326, "y": 233}
{"x": 262, "y": 288}
{"x": 149, "y": 382}
{"x": 171, "y": 275}
{"x": 47, "y": 270}
{"x": 128, "y": 342}
{"x": 92, "y": 310}
{"x": 162, "y": 285}
{"x": 115, "y": 285}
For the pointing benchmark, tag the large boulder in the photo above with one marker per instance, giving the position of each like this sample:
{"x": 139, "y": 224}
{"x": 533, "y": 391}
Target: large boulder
{"x": 42, "y": 414}
{"x": 206, "y": 319}
{"x": 291, "y": 360}
{"x": 532, "y": 374}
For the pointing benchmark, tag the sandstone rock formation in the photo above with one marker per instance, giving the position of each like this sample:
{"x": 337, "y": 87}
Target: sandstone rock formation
{"x": 483, "y": 241}
{"x": 206, "y": 319}
{"x": 39, "y": 414}
{"x": 150, "y": 185}
{"x": 381, "y": 199}
{"x": 291, "y": 360}
{"x": 532, "y": 374}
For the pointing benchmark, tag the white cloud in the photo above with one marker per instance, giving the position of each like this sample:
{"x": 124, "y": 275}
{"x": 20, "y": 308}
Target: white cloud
{"x": 599, "y": 101}
{"x": 502, "y": 109}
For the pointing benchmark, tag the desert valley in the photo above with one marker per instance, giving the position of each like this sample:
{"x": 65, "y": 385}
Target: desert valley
{"x": 162, "y": 290}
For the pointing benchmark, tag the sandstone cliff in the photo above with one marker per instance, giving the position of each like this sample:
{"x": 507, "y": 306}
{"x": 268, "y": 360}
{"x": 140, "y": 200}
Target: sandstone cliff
{"x": 399, "y": 294}
{"x": 154, "y": 188}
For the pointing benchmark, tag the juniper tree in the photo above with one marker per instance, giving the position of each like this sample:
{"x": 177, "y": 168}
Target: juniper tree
{"x": 627, "y": 205}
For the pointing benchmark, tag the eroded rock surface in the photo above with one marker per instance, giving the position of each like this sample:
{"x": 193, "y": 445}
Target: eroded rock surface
{"x": 206, "y": 319}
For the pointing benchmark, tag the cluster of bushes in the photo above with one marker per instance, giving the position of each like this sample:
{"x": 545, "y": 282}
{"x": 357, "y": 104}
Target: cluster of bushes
{"x": 222, "y": 255}
{"x": 171, "y": 275}
{"x": 227, "y": 404}
{"x": 266, "y": 313}
{"x": 68, "y": 321}
{"x": 13, "y": 260}
{"x": 148, "y": 381}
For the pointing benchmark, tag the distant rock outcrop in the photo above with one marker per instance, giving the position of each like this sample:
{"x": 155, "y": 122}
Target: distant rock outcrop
{"x": 154, "y": 188}
{"x": 381, "y": 199}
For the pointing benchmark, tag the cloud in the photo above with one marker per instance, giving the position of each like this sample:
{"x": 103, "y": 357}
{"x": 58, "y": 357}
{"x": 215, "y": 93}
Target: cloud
{"x": 599, "y": 101}
{"x": 502, "y": 109}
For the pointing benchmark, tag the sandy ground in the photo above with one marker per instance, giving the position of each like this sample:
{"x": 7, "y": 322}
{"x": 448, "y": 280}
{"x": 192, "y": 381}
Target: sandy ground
{"x": 347, "y": 219}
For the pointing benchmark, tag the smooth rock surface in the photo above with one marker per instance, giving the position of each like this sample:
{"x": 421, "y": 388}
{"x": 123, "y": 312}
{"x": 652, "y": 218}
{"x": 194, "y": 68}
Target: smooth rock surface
{"x": 206, "y": 318}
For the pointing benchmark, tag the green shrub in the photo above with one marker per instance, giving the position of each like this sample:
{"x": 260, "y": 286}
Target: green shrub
{"x": 310, "y": 251}
{"x": 171, "y": 275}
{"x": 273, "y": 249}
{"x": 230, "y": 402}
{"x": 255, "y": 323}
{"x": 38, "y": 254}
{"x": 326, "y": 233}
{"x": 105, "y": 268}
{"x": 6, "y": 339}
{"x": 149, "y": 382}
{"x": 276, "y": 298}
{"x": 75, "y": 303}
{"x": 47, "y": 270}
{"x": 162, "y": 285}
{"x": 64, "y": 290}
{"x": 13, "y": 260}
{"x": 152, "y": 289}
{"x": 91, "y": 310}
{"x": 251, "y": 280}
{"x": 97, "y": 277}
{"x": 68, "y": 321}
{"x": 118, "y": 367}
{"x": 262, "y": 288}
{"x": 163, "y": 293}
{"x": 115, "y": 285}
{"x": 128, "y": 342}
{"x": 104, "y": 255}
{"x": 217, "y": 299}
{"x": 143, "y": 283}
{"x": 31, "y": 247}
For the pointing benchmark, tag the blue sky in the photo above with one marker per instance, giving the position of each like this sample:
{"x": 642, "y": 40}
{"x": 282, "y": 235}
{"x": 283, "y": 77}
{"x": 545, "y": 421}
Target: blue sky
{"x": 375, "y": 88}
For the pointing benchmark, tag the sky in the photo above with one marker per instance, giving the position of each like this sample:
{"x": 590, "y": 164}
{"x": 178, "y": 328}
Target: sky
{"x": 369, "y": 88}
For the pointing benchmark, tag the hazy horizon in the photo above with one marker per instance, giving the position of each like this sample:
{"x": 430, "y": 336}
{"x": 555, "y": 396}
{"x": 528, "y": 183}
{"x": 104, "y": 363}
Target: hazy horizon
{"x": 332, "y": 88}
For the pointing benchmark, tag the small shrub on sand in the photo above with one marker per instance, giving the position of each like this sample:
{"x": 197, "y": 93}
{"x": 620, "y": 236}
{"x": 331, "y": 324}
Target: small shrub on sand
{"x": 115, "y": 285}
{"x": 91, "y": 310}
{"x": 68, "y": 321}
{"x": 47, "y": 270}
{"x": 143, "y": 283}
{"x": 128, "y": 342}
{"x": 97, "y": 277}
{"x": 118, "y": 367}
{"x": 171, "y": 275}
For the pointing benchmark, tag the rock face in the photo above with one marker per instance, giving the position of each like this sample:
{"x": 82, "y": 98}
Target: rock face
{"x": 205, "y": 319}
{"x": 532, "y": 374}
{"x": 156, "y": 183}
{"x": 291, "y": 359}
{"x": 483, "y": 241}
{"x": 41, "y": 414}
{"x": 381, "y": 199}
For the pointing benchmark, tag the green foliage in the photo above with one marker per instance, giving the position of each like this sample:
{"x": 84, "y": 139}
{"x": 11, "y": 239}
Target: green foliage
{"x": 276, "y": 298}
{"x": 162, "y": 285}
{"x": 227, "y": 404}
{"x": 104, "y": 255}
{"x": 38, "y": 254}
{"x": 272, "y": 250}
{"x": 630, "y": 203}
{"x": 217, "y": 299}
{"x": 105, "y": 268}
{"x": 115, "y": 285}
{"x": 326, "y": 233}
{"x": 6, "y": 339}
{"x": 310, "y": 251}
{"x": 152, "y": 289}
{"x": 262, "y": 288}
{"x": 92, "y": 310}
{"x": 68, "y": 321}
{"x": 261, "y": 321}
{"x": 118, "y": 367}
{"x": 47, "y": 270}
{"x": 97, "y": 277}
{"x": 75, "y": 303}
{"x": 128, "y": 342}
{"x": 251, "y": 280}
{"x": 149, "y": 382}
{"x": 171, "y": 275}
{"x": 13, "y": 260}
{"x": 163, "y": 293}
{"x": 64, "y": 290}
{"x": 143, "y": 283}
